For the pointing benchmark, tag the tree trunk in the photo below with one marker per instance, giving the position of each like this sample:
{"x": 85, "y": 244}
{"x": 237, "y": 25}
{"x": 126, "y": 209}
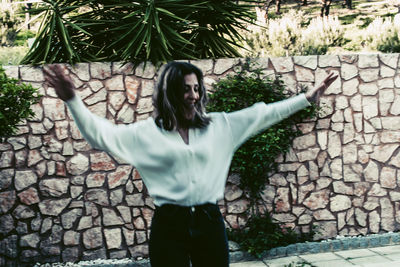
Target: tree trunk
{"x": 348, "y": 4}
{"x": 278, "y": 6}
{"x": 326, "y": 4}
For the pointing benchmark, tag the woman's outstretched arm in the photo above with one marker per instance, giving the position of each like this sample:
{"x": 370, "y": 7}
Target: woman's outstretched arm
{"x": 100, "y": 133}
{"x": 252, "y": 120}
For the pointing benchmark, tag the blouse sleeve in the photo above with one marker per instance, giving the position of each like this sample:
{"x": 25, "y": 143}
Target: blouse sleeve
{"x": 101, "y": 133}
{"x": 248, "y": 122}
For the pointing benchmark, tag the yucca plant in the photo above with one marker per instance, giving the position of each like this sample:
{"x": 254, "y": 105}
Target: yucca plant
{"x": 136, "y": 31}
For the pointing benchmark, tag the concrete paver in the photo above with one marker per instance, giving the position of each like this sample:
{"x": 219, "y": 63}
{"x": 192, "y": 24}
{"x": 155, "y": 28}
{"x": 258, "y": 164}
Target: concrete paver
{"x": 369, "y": 260}
{"x": 248, "y": 264}
{"x": 328, "y": 256}
{"x": 283, "y": 261}
{"x": 386, "y": 250}
{"x": 388, "y": 256}
{"x": 334, "y": 263}
{"x": 393, "y": 257}
{"x": 356, "y": 253}
{"x": 391, "y": 264}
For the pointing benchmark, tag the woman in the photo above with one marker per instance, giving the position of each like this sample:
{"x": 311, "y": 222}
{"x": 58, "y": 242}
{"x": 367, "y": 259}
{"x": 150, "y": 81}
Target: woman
{"x": 183, "y": 156}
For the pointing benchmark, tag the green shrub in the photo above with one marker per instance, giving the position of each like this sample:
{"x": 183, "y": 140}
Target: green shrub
{"x": 293, "y": 35}
{"x": 10, "y": 21}
{"x": 262, "y": 234}
{"x": 383, "y": 34}
{"x": 15, "y": 103}
{"x": 255, "y": 159}
{"x": 321, "y": 34}
{"x": 280, "y": 37}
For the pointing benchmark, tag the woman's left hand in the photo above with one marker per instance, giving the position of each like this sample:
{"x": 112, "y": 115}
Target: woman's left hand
{"x": 315, "y": 93}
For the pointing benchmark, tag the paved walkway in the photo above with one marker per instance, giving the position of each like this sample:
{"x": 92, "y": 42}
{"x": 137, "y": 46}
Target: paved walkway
{"x": 388, "y": 256}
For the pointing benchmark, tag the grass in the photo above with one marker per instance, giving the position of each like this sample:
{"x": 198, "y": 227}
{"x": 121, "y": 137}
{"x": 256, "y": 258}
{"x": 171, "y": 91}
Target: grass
{"x": 12, "y": 55}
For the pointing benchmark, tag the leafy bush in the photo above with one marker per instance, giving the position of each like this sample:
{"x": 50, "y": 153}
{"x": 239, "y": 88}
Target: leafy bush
{"x": 255, "y": 159}
{"x": 292, "y": 35}
{"x": 262, "y": 234}
{"x": 8, "y": 23}
{"x": 320, "y": 34}
{"x": 280, "y": 37}
{"x": 15, "y": 103}
{"x": 383, "y": 34}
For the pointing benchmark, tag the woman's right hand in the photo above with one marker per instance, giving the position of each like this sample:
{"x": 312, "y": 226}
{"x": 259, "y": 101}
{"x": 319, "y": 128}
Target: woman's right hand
{"x": 55, "y": 77}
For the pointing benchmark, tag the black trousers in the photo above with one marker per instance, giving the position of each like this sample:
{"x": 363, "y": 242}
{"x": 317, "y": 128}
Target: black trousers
{"x": 180, "y": 235}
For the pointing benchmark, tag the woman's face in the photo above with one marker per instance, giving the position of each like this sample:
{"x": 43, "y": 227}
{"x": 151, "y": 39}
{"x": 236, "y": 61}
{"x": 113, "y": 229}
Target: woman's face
{"x": 190, "y": 95}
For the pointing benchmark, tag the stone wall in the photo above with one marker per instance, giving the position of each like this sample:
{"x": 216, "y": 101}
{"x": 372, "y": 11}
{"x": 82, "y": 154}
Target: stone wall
{"x": 60, "y": 200}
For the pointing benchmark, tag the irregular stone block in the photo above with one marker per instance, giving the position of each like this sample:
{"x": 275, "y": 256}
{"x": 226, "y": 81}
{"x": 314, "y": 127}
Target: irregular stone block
{"x": 382, "y": 153}
{"x": 31, "y": 240}
{"x": 282, "y": 65}
{"x": 31, "y": 74}
{"x": 53, "y": 207}
{"x": 54, "y": 109}
{"x": 111, "y": 218}
{"x": 377, "y": 191}
{"x": 101, "y": 162}
{"x": 368, "y": 61}
{"x": 369, "y": 75}
{"x": 9, "y": 246}
{"x": 134, "y": 200}
{"x": 145, "y": 70}
{"x": 281, "y": 200}
{"x": 309, "y": 62}
{"x": 23, "y": 212}
{"x": 69, "y": 218}
{"x": 55, "y": 187}
{"x": 317, "y": 200}
{"x": 70, "y": 254}
{"x": 95, "y": 179}
{"x": 370, "y": 107}
{"x": 113, "y": 238}
{"x": 224, "y": 64}
{"x": 100, "y": 70}
{"x": 339, "y": 203}
{"x": 6, "y": 176}
{"x": 6, "y": 224}
{"x": 85, "y": 222}
{"x": 98, "y": 196}
{"x": 139, "y": 251}
{"x": 46, "y": 225}
{"x": 29, "y": 196}
{"x": 348, "y": 71}
{"x": 77, "y": 164}
{"x": 389, "y": 59}
{"x": 93, "y": 238}
{"x": 119, "y": 176}
{"x": 325, "y": 230}
{"x": 6, "y": 159}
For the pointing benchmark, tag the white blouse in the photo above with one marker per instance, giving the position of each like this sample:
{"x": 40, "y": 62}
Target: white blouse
{"x": 175, "y": 172}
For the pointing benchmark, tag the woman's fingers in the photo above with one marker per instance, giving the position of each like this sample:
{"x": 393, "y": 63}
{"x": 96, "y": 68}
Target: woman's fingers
{"x": 56, "y": 77}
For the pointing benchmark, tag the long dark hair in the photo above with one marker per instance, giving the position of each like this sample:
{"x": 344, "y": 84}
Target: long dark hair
{"x": 168, "y": 98}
